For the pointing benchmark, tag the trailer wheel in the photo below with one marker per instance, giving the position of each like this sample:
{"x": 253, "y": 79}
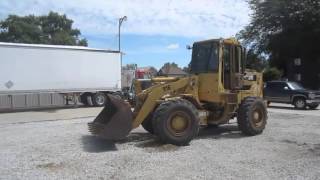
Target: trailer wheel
{"x": 84, "y": 98}
{"x": 176, "y": 122}
{"x": 252, "y": 116}
{"x": 99, "y": 99}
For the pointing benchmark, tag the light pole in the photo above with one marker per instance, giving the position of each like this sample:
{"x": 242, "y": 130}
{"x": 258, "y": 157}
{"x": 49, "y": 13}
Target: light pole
{"x": 124, "y": 18}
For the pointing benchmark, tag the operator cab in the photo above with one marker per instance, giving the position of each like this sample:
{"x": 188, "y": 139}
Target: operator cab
{"x": 226, "y": 57}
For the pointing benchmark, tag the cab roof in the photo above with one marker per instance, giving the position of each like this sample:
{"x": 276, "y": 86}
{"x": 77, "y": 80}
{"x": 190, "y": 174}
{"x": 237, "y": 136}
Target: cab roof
{"x": 231, "y": 40}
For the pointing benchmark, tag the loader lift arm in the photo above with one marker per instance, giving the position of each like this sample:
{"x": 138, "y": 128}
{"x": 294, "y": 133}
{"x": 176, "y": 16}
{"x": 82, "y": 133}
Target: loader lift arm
{"x": 116, "y": 120}
{"x": 156, "y": 94}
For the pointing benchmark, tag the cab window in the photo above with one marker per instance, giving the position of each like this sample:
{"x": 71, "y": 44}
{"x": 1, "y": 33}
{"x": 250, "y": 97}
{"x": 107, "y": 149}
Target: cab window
{"x": 227, "y": 57}
{"x": 205, "y": 57}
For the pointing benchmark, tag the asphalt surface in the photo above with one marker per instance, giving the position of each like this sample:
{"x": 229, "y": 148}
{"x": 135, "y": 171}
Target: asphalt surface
{"x": 55, "y": 144}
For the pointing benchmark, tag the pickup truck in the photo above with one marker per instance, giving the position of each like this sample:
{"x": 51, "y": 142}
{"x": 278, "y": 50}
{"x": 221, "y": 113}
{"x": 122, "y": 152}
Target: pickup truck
{"x": 291, "y": 93}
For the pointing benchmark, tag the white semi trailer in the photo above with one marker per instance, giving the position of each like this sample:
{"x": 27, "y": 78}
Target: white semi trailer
{"x": 34, "y": 75}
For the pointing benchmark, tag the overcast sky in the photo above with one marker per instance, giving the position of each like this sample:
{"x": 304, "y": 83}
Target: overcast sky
{"x": 156, "y": 31}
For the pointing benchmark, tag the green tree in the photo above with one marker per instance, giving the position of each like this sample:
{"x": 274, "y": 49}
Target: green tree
{"x": 283, "y": 29}
{"x": 169, "y": 68}
{"x": 256, "y": 61}
{"x": 187, "y": 69}
{"x": 49, "y": 29}
{"x": 270, "y": 74}
{"x": 168, "y": 64}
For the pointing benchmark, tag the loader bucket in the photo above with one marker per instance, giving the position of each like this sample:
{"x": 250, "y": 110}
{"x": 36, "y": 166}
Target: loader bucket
{"x": 115, "y": 120}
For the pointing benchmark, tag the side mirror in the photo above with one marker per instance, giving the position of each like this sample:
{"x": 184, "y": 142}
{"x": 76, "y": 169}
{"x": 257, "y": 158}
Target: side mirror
{"x": 188, "y": 47}
{"x": 286, "y": 88}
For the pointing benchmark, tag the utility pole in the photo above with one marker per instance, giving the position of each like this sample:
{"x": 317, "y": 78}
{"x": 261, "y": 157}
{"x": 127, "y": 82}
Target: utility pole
{"x": 124, "y": 18}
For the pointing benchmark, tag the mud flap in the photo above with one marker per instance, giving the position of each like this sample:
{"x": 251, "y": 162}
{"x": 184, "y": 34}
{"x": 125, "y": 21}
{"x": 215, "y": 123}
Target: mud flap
{"x": 115, "y": 120}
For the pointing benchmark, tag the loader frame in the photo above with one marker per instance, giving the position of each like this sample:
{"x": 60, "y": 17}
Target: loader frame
{"x": 218, "y": 89}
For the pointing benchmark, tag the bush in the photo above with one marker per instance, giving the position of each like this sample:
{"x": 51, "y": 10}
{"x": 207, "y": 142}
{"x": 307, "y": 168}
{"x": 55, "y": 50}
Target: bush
{"x": 270, "y": 74}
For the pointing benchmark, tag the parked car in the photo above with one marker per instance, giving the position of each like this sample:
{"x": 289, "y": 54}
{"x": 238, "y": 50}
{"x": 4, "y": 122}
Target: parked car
{"x": 291, "y": 93}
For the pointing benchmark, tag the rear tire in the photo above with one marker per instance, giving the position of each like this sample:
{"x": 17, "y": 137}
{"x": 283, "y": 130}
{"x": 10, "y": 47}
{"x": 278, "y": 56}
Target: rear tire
{"x": 313, "y": 106}
{"x": 99, "y": 99}
{"x": 252, "y": 116}
{"x": 176, "y": 122}
{"x": 300, "y": 103}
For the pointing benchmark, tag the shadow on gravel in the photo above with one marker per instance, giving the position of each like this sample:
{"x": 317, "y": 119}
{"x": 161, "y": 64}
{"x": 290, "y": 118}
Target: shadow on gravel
{"x": 148, "y": 142}
{"x": 315, "y": 149}
{"x": 225, "y": 131}
{"x": 94, "y": 144}
{"x": 143, "y": 140}
{"x": 151, "y": 143}
{"x": 137, "y": 137}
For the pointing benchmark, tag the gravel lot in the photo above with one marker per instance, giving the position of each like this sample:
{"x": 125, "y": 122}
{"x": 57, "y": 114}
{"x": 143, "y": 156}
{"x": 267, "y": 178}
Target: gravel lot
{"x": 55, "y": 144}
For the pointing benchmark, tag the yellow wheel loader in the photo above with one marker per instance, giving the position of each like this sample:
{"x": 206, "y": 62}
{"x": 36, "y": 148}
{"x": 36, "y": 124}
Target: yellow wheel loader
{"x": 218, "y": 89}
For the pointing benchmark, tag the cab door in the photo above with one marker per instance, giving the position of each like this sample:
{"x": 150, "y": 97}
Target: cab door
{"x": 226, "y": 72}
{"x": 232, "y": 67}
{"x": 236, "y": 63}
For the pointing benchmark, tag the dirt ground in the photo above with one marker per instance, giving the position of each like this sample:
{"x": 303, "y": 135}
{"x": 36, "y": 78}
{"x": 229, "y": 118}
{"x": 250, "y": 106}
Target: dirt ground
{"x": 55, "y": 144}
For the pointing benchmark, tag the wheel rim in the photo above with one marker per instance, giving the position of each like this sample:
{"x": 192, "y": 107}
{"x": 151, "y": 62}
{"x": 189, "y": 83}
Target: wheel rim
{"x": 300, "y": 103}
{"x": 257, "y": 117}
{"x": 179, "y": 123}
{"x": 100, "y": 100}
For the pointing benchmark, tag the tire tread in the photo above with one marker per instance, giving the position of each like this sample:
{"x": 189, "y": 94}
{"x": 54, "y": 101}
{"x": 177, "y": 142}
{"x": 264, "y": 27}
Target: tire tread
{"x": 244, "y": 117}
{"x": 161, "y": 113}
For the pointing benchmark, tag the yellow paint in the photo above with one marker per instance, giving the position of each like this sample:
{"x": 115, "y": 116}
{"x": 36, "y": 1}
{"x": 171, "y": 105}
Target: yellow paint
{"x": 209, "y": 87}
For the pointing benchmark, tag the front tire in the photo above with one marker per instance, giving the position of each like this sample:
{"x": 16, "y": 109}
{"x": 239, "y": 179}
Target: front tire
{"x": 252, "y": 116}
{"x": 300, "y": 103}
{"x": 147, "y": 124}
{"x": 176, "y": 122}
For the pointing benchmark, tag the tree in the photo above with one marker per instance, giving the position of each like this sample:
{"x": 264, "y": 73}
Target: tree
{"x": 49, "y": 29}
{"x": 171, "y": 69}
{"x": 283, "y": 29}
{"x": 270, "y": 74}
{"x": 256, "y": 61}
{"x": 187, "y": 69}
{"x": 172, "y": 64}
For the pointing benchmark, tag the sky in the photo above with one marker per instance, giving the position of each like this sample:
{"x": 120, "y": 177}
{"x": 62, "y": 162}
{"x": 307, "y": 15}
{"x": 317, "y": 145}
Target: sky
{"x": 156, "y": 31}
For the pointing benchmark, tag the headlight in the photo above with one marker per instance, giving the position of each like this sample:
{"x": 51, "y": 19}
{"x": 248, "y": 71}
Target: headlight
{"x": 312, "y": 96}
